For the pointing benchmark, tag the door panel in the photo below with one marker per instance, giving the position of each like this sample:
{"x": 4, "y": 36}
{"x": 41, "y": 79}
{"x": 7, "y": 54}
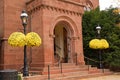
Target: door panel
{"x": 65, "y": 45}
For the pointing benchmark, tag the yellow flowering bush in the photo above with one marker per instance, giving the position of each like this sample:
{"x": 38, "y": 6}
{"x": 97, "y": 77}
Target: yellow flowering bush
{"x": 98, "y": 44}
{"x": 17, "y": 39}
{"x": 94, "y": 43}
{"x": 104, "y": 43}
{"x": 116, "y": 11}
{"x": 33, "y": 39}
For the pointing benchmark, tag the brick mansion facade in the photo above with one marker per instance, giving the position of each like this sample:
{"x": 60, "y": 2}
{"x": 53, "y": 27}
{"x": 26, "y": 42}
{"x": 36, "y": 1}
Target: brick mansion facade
{"x": 59, "y": 24}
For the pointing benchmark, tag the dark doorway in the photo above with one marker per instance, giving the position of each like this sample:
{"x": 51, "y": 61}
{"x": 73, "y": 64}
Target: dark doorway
{"x": 65, "y": 45}
{"x": 60, "y": 44}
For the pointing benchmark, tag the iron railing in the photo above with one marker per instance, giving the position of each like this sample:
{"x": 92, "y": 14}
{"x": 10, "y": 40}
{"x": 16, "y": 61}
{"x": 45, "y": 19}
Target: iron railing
{"x": 95, "y": 61}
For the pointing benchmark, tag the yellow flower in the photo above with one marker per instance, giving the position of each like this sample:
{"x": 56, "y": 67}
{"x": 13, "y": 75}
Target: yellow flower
{"x": 33, "y": 39}
{"x": 94, "y": 44}
{"x": 98, "y": 44}
{"x": 17, "y": 39}
{"x": 104, "y": 44}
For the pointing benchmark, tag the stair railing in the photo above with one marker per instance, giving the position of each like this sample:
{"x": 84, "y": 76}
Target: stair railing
{"x": 59, "y": 61}
{"x": 61, "y": 68}
{"x": 48, "y": 72}
{"x": 59, "y": 48}
{"x": 76, "y": 58}
{"x": 88, "y": 62}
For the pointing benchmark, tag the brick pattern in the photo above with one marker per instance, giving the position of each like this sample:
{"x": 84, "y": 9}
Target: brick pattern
{"x": 10, "y": 22}
{"x": 1, "y": 18}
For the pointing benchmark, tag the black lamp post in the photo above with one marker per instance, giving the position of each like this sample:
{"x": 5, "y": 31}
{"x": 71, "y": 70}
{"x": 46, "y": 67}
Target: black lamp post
{"x": 24, "y": 18}
{"x": 98, "y": 28}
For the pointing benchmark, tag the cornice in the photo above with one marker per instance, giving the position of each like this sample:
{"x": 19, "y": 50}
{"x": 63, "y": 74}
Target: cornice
{"x": 60, "y": 10}
{"x": 73, "y": 2}
{"x": 52, "y": 8}
{"x": 29, "y": 1}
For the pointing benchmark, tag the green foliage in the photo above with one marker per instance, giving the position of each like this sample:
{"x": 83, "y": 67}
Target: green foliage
{"x": 107, "y": 20}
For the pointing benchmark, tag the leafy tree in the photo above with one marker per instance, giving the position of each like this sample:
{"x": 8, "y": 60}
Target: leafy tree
{"x": 107, "y": 20}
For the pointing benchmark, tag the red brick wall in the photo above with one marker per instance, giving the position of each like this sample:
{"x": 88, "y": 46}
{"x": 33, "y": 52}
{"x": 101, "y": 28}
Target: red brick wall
{"x": 42, "y": 19}
{"x": 76, "y": 0}
{"x": 37, "y": 26}
{"x": 1, "y": 31}
{"x": 12, "y": 23}
{"x": 1, "y": 17}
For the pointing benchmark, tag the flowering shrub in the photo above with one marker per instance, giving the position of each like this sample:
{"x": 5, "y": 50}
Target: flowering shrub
{"x": 17, "y": 39}
{"x": 98, "y": 44}
{"x": 116, "y": 11}
{"x": 104, "y": 43}
{"x": 33, "y": 39}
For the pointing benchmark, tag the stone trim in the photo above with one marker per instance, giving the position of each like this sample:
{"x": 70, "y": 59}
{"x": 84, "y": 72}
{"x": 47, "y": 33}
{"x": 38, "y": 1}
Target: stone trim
{"x": 73, "y": 27}
{"x": 75, "y": 37}
{"x": 73, "y": 2}
{"x": 62, "y": 10}
{"x": 29, "y": 1}
{"x": 4, "y": 39}
{"x": 31, "y": 8}
{"x": 54, "y": 9}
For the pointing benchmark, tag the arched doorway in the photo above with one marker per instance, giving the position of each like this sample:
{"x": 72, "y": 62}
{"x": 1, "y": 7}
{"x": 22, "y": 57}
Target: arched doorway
{"x": 62, "y": 51}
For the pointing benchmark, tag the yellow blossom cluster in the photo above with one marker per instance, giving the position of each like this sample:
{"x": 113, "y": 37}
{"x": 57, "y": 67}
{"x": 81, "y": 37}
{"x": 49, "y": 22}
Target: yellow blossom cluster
{"x": 98, "y": 44}
{"x": 116, "y": 11}
{"x": 33, "y": 39}
{"x": 19, "y": 39}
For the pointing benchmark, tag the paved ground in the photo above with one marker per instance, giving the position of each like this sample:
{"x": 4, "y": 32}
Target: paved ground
{"x": 115, "y": 76}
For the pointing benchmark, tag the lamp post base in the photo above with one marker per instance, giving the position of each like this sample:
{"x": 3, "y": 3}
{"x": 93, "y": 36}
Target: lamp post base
{"x": 25, "y": 72}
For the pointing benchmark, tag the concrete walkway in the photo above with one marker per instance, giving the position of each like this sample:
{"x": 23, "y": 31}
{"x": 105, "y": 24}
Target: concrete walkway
{"x": 115, "y": 76}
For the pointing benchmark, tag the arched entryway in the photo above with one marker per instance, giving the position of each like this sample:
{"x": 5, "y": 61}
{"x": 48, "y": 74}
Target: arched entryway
{"x": 62, "y": 47}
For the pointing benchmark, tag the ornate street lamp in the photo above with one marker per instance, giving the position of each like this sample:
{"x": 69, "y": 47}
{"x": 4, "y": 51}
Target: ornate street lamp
{"x": 98, "y": 28}
{"x": 24, "y": 18}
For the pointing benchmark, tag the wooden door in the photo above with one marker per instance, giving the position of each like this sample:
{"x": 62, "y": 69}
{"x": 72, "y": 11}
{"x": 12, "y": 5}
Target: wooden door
{"x": 65, "y": 45}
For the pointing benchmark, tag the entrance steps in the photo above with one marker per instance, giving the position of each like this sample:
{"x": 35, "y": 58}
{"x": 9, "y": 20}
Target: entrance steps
{"x": 68, "y": 71}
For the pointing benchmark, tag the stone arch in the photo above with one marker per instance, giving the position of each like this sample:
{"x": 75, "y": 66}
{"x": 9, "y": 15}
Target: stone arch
{"x": 72, "y": 26}
{"x": 72, "y": 31}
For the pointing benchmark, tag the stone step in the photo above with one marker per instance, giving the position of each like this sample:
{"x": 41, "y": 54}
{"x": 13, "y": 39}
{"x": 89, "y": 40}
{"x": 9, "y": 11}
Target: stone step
{"x": 68, "y": 74}
{"x": 66, "y": 68}
{"x": 55, "y": 64}
{"x": 69, "y": 65}
{"x": 71, "y": 75}
{"x": 79, "y": 75}
{"x": 69, "y": 71}
{"x": 94, "y": 70}
{"x": 74, "y": 77}
{"x": 91, "y": 70}
{"x": 56, "y": 70}
{"x": 55, "y": 76}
